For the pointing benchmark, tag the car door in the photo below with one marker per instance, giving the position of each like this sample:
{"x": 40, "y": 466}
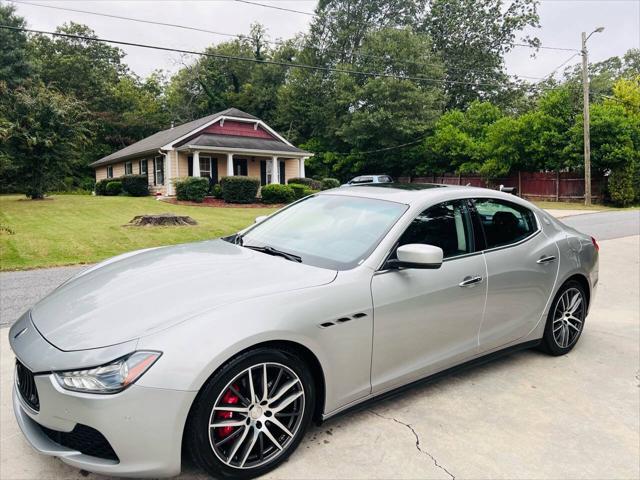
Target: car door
{"x": 522, "y": 265}
{"x": 427, "y": 320}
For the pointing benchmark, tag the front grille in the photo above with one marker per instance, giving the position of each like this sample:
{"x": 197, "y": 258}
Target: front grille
{"x": 83, "y": 439}
{"x": 27, "y": 386}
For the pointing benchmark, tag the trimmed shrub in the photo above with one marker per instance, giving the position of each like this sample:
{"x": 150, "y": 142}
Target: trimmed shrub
{"x": 298, "y": 190}
{"x": 216, "y": 191}
{"x": 101, "y": 186}
{"x": 620, "y": 186}
{"x": 135, "y": 185}
{"x": 239, "y": 189}
{"x": 309, "y": 182}
{"x": 113, "y": 188}
{"x": 328, "y": 183}
{"x": 192, "y": 189}
{"x": 277, "y": 193}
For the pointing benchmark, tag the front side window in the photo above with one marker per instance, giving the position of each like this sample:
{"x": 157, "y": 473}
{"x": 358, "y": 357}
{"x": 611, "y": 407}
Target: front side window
{"x": 504, "y": 222}
{"x": 446, "y": 225}
{"x": 205, "y": 167}
{"x": 158, "y": 167}
{"x": 362, "y": 180}
{"x": 328, "y": 231}
{"x": 110, "y": 171}
{"x": 128, "y": 168}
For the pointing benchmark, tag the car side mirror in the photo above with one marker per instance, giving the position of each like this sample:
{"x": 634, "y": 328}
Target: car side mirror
{"x": 259, "y": 219}
{"x": 417, "y": 255}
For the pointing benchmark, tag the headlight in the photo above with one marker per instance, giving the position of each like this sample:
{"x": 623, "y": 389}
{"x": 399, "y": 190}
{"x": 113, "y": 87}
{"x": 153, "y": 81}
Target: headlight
{"x": 110, "y": 378}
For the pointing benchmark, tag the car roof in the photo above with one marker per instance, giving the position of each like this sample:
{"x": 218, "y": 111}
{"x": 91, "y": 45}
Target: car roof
{"x": 412, "y": 193}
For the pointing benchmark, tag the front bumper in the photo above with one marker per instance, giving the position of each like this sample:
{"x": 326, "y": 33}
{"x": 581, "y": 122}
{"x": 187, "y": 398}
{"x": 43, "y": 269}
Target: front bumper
{"x": 143, "y": 425}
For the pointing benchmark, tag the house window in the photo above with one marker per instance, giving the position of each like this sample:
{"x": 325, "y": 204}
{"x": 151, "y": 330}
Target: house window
{"x": 205, "y": 167}
{"x": 158, "y": 169}
{"x": 110, "y": 171}
{"x": 240, "y": 167}
{"x": 128, "y": 168}
{"x": 143, "y": 167}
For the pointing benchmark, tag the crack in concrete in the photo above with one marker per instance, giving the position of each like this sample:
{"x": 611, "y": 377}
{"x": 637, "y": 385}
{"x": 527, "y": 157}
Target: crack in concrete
{"x": 420, "y": 449}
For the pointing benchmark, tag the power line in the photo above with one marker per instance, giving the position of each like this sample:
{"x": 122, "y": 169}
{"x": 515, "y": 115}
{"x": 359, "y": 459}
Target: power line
{"x": 276, "y": 7}
{"x": 240, "y": 36}
{"x": 251, "y": 60}
{"x": 560, "y": 66}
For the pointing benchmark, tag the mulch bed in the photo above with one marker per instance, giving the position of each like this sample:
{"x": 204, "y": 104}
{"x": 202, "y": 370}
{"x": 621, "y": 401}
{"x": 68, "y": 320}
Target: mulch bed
{"x": 219, "y": 203}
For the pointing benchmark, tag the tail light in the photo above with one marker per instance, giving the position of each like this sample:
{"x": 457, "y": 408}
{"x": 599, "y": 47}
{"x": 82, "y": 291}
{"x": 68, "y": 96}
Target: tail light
{"x": 595, "y": 244}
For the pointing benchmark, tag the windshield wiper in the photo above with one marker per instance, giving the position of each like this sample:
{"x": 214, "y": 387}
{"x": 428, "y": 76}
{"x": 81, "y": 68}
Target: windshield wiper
{"x": 277, "y": 253}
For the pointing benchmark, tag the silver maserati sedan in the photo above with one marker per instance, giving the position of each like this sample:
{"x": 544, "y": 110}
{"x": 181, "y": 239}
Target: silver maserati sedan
{"x": 227, "y": 349}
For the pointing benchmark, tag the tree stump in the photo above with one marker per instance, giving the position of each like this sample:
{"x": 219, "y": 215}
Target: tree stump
{"x": 161, "y": 220}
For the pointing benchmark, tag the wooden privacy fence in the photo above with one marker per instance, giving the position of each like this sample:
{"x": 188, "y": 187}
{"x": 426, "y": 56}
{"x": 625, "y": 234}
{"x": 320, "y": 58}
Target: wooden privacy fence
{"x": 554, "y": 186}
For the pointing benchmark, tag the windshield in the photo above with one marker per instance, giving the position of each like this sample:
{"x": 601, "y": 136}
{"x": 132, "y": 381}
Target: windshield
{"x": 328, "y": 231}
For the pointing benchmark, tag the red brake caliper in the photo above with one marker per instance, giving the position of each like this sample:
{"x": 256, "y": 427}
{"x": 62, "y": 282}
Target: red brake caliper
{"x": 229, "y": 398}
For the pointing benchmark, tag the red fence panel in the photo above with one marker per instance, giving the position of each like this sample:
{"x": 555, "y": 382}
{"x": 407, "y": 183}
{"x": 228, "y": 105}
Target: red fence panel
{"x": 554, "y": 186}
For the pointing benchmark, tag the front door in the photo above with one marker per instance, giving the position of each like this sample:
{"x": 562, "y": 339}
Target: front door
{"x": 428, "y": 320}
{"x": 522, "y": 264}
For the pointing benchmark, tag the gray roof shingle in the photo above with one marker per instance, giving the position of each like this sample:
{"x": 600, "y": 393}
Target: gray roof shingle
{"x": 248, "y": 143}
{"x": 152, "y": 143}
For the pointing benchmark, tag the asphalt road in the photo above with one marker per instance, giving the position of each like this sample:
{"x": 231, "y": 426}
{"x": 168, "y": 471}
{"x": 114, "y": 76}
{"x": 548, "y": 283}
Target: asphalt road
{"x": 606, "y": 225}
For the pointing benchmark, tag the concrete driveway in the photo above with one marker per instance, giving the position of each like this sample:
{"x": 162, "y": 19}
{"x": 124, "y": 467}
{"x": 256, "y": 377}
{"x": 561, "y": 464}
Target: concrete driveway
{"x": 524, "y": 416}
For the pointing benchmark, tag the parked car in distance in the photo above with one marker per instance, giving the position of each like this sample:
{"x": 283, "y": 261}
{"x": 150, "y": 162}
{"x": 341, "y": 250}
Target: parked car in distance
{"x": 227, "y": 349}
{"x": 369, "y": 179}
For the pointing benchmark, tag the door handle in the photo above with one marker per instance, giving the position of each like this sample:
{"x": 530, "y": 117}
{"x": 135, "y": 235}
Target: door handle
{"x": 547, "y": 259}
{"x": 470, "y": 281}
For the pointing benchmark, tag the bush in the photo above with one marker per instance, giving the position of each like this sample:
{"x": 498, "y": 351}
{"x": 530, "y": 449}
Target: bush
{"x": 309, "y": 182}
{"x": 620, "y": 186}
{"x": 192, "y": 189}
{"x": 101, "y": 186}
{"x": 113, "y": 188}
{"x": 328, "y": 183}
{"x": 298, "y": 190}
{"x": 239, "y": 189}
{"x": 135, "y": 185}
{"x": 216, "y": 191}
{"x": 277, "y": 193}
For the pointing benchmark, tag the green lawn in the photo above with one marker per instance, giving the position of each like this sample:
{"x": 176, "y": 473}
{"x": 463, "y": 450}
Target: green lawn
{"x": 72, "y": 229}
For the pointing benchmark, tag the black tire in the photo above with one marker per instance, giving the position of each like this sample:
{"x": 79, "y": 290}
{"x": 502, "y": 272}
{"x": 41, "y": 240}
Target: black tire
{"x": 550, "y": 343}
{"x": 198, "y": 434}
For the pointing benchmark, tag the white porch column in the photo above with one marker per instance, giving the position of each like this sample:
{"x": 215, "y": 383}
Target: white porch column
{"x": 196, "y": 163}
{"x": 230, "y": 164}
{"x": 275, "y": 175}
{"x": 301, "y": 168}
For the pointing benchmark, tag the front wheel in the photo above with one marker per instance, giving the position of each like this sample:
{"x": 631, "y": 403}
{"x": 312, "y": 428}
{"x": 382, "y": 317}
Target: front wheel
{"x": 251, "y": 414}
{"x": 566, "y": 318}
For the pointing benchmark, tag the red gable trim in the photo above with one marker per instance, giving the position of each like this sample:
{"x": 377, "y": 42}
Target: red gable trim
{"x": 239, "y": 129}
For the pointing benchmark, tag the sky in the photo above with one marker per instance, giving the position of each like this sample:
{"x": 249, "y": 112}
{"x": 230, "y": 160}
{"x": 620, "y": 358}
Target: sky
{"x": 561, "y": 22}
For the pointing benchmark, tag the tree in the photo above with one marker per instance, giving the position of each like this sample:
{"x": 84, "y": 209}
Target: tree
{"x": 14, "y": 63}
{"x": 43, "y": 129}
{"x": 472, "y": 37}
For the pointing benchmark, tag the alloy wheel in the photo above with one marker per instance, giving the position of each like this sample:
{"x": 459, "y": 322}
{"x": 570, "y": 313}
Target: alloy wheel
{"x": 568, "y": 317}
{"x": 256, "y": 415}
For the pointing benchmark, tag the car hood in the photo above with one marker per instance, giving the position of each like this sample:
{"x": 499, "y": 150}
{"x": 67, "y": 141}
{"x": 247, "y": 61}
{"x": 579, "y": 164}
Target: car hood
{"x": 138, "y": 293}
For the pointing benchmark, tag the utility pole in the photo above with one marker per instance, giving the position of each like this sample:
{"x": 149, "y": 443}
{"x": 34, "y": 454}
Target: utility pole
{"x": 585, "y": 96}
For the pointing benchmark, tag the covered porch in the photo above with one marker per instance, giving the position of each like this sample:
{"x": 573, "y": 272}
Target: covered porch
{"x": 215, "y": 164}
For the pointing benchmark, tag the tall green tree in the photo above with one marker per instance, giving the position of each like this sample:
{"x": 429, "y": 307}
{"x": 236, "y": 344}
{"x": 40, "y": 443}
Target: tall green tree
{"x": 15, "y": 67}
{"x": 472, "y": 37}
{"x": 42, "y": 131}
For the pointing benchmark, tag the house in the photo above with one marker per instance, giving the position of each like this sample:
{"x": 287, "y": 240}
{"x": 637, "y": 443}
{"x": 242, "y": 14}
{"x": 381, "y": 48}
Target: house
{"x": 227, "y": 143}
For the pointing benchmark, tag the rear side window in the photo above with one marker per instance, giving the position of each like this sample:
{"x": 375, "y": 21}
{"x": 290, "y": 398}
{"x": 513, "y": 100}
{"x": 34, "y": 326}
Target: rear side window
{"x": 504, "y": 222}
{"x": 446, "y": 225}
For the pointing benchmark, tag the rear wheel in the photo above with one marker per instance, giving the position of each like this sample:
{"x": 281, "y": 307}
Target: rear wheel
{"x": 252, "y": 414}
{"x": 566, "y": 318}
